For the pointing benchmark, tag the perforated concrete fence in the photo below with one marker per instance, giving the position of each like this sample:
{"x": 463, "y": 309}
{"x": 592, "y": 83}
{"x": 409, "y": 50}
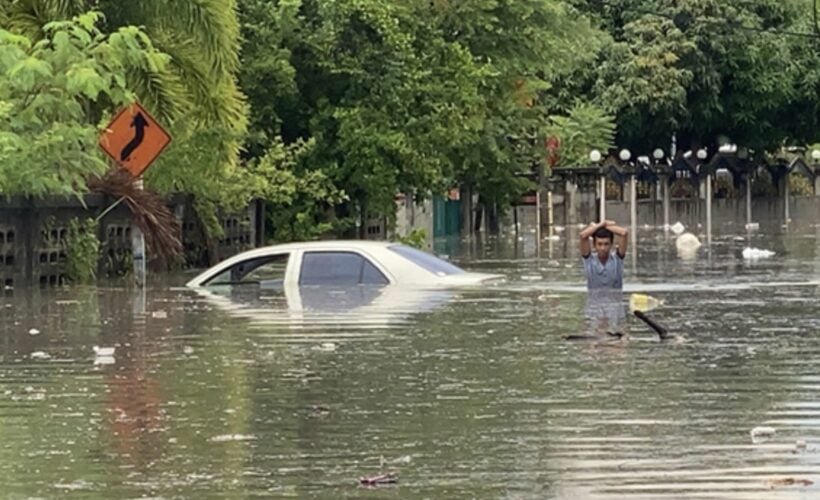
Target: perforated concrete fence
{"x": 34, "y": 236}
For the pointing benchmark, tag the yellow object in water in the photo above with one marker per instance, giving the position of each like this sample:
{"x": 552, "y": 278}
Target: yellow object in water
{"x": 643, "y": 303}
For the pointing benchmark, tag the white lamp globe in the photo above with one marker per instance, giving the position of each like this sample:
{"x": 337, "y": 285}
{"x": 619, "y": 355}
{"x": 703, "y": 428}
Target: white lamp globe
{"x": 595, "y": 156}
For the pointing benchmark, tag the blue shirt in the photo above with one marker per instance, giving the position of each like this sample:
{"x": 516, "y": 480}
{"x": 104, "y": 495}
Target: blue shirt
{"x": 600, "y": 275}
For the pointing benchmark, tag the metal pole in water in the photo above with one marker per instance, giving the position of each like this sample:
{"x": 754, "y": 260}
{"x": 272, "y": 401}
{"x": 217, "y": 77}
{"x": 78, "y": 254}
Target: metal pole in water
{"x": 709, "y": 209}
{"x": 138, "y": 250}
{"x": 633, "y": 208}
{"x": 786, "y": 188}
{"x": 748, "y": 202}
{"x": 603, "y": 198}
{"x": 550, "y": 213}
{"x": 538, "y": 221}
{"x": 550, "y": 221}
{"x": 665, "y": 205}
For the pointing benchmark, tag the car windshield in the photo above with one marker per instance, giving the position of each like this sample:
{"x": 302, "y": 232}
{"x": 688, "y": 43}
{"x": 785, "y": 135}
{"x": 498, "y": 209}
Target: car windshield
{"x": 427, "y": 261}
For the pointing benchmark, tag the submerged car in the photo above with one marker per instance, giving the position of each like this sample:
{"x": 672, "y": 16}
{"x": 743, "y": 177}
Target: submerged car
{"x": 361, "y": 284}
{"x": 338, "y": 264}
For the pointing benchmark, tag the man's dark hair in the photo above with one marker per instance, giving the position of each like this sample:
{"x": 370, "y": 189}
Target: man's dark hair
{"x": 603, "y": 233}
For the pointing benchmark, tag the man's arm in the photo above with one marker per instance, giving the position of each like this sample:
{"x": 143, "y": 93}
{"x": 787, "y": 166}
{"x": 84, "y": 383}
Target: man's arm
{"x": 623, "y": 236}
{"x": 583, "y": 244}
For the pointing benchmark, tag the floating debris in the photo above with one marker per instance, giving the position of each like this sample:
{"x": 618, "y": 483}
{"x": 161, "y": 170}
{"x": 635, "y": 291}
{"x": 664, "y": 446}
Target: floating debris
{"x": 643, "y": 303}
{"x": 319, "y": 410}
{"x": 159, "y": 314}
{"x": 74, "y": 486}
{"x": 762, "y": 433}
{"x": 34, "y": 331}
{"x": 389, "y": 478}
{"x": 104, "y": 360}
{"x": 231, "y": 437}
{"x": 40, "y": 355}
{"x": 687, "y": 241}
{"x": 757, "y": 253}
{"x": 788, "y": 481}
{"x": 104, "y": 351}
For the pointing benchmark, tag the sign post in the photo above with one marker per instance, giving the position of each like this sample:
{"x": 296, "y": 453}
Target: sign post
{"x": 134, "y": 139}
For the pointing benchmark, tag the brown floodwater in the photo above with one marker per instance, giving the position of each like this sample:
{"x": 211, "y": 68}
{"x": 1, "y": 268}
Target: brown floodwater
{"x": 465, "y": 394}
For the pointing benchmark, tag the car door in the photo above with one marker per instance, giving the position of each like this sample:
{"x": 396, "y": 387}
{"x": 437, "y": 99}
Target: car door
{"x": 266, "y": 271}
{"x": 339, "y": 268}
{"x": 254, "y": 281}
{"x": 338, "y": 280}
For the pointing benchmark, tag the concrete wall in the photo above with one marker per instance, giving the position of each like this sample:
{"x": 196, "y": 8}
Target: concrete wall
{"x": 33, "y": 236}
{"x": 410, "y": 215}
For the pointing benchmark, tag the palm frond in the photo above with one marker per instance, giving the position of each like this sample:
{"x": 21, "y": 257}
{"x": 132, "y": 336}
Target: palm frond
{"x": 212, "y": 24}
{"x": 161, "y": 91}
{"x": 64, "y": 9}
{"x": 150, "y": 212}
{"x": 23, "y": 21}
{"x": 27, "y": 17}
{"x": 219, "y": 102}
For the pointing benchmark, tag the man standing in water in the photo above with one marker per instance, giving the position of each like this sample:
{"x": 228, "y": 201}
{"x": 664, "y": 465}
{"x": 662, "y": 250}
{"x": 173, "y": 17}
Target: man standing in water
{"x": 604, "y": 270}
{"x": 604, "y": 262}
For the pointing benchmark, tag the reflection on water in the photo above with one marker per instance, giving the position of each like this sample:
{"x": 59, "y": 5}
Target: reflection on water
{"x": 606, "y": 310}
{"x": 469, "y": 393}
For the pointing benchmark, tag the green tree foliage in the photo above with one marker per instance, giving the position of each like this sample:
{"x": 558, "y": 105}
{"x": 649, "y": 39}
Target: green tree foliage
{"x": 585, "y": 128}
{"x": 351, "y": 102}
{"x": 195, "y": 86}
{"x": 82, "y": 250}
{"x": 524, "y": 46}
{"x": 48, "y": 142}
{"x": 702, "y": 70}
{"x": 185, "y": 75}
{"x": 407, "y": 96}
{"x": 380, "y": 94}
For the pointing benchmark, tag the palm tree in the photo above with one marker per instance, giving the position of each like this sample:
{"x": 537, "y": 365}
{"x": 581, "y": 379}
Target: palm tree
{"x": 196, "y": 88}
{"x": 188, "y": 81}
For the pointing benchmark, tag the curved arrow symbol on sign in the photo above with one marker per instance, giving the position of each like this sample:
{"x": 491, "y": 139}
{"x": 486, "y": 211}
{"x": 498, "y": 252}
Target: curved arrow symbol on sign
{"x": 139, "y": 123}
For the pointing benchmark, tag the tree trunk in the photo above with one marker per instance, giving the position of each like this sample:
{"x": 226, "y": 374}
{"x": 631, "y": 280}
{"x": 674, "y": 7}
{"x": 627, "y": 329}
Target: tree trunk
{"x": 479, "y": 213}
{"x": 492, "y": 219}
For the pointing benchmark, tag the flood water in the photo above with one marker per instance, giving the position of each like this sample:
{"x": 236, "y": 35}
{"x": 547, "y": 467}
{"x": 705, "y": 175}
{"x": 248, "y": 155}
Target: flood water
{"x": 469, "y": 394}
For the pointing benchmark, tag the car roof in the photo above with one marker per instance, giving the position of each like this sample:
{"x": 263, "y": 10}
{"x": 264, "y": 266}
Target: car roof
{"x": 320, "y": 245}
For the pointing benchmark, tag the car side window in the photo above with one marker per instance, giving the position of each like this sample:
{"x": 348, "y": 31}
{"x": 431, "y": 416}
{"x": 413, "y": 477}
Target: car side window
{"x": 266, "y": 271}
{"x": 371, "y": 275}
{"x": 339, "y": 269}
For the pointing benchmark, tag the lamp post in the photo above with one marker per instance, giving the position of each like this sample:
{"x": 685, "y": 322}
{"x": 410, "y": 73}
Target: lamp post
{"x": 701, "y": 155}
{"x": 595, "y": 158}
{"x": 743, "y": 155}
{"x": 658, "y": 155}
{"x": 815, "y": 159}
{"x": 625, "y": 155}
